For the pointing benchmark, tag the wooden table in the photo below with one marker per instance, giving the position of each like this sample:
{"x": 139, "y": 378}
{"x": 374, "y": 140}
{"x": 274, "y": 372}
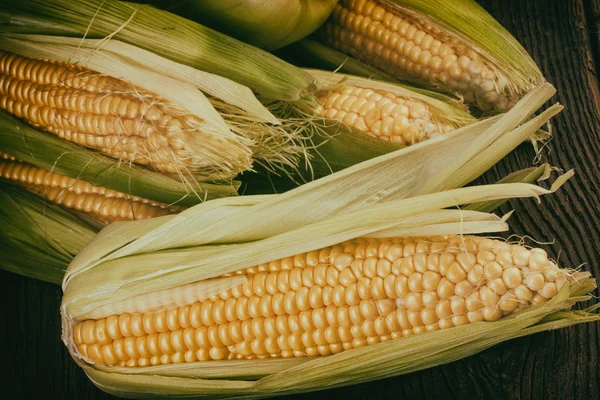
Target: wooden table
{"x": 563, "y": 37}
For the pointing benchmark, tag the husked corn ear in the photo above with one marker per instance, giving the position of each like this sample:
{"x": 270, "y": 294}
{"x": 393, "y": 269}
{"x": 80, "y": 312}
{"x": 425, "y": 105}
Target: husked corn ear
{"x": 99, "y": 203}
{"x": 337, "y": 298}
{"x": 384, "y": 115}
{"x": 411, "y": 47}
{"x": 97, "y": 111}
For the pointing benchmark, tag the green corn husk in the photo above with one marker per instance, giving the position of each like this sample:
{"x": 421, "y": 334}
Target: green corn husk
{"x": 310, "y": 53}
{"x": 38, "y": 239}
{"x": 464, "y": 21}
{"x": 134, "y": 260}
{"x": 163, "y": 33}
{"x": 265, "y": 24}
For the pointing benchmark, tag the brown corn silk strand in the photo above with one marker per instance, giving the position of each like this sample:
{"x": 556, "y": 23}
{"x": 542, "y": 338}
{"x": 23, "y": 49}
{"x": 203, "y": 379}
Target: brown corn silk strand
{"x": 338, "y": 298}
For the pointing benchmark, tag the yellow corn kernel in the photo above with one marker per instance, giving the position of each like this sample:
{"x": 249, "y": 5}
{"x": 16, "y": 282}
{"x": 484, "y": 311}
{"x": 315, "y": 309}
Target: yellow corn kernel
{"x": 284, "y": 308}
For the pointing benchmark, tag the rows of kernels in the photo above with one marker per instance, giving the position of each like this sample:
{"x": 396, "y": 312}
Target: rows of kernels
{"x": 50, "y": 72}
{"x": 103, "y": 204}
{"x": 103, "y": 113}
{"x": 337, "y": 298}
{"x": 401, "y": 45}
{"x": 382, "y": 114}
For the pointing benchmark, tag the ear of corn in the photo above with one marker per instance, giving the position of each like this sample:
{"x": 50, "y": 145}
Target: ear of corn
{"x": 448, "y": 45}
{"x": 37, "y": 238}
{"x": 99, "y": 203}
{"x": 162, "y": 33}
{"x": 327, "y": 301}
{"x": 389, "y": 112}
{"x": 51, "y": 153}
{"x": 265, "y": 24}
{"x": 153, "y": 114}
{"x": 158, "y": 307}
{"x": 297, "y": 298}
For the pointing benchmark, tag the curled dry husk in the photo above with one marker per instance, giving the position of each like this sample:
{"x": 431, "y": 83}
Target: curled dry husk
{"x": 266, "y": 24}
{"x": 389, "y": 195}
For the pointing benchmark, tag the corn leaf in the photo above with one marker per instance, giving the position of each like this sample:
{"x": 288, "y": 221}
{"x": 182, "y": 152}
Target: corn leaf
{"x": 38, "y": 239}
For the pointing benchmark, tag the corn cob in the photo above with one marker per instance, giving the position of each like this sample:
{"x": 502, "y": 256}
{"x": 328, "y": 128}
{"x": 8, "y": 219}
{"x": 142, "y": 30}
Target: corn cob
{"x": 383, "y": 115}
{"x": 99, "y": 203}
{"x": 395, "y": 113}
{"x": 330, "y": 300}
{"x": 398, "y": 38}
{"x": 96, "y": 111}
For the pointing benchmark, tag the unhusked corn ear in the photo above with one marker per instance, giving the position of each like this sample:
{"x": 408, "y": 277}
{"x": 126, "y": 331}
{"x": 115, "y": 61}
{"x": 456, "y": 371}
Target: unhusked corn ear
{"x": 337, "y": 298}
{"x": 97, "y": 111}
{"x": 99, "y": 203}
{"x": 414, "y": 47}
{"x": 384, "y": 115}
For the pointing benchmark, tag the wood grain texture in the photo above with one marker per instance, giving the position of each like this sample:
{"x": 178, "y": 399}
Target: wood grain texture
{"x": 562, "y": 36}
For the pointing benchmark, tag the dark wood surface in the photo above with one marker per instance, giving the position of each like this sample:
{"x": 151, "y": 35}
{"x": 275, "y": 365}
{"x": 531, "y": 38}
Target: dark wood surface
{"x": 563, "y": 37}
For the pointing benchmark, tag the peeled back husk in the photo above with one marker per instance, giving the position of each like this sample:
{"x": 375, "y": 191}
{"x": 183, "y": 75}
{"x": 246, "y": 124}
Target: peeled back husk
{"x": 153, "y": 273}
{"x": 263, "y": 23}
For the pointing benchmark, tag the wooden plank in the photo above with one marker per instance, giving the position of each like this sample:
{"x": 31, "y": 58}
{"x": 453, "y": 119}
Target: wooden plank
{"x": 555, "y": 365}
{"x": 593, "y": 9}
